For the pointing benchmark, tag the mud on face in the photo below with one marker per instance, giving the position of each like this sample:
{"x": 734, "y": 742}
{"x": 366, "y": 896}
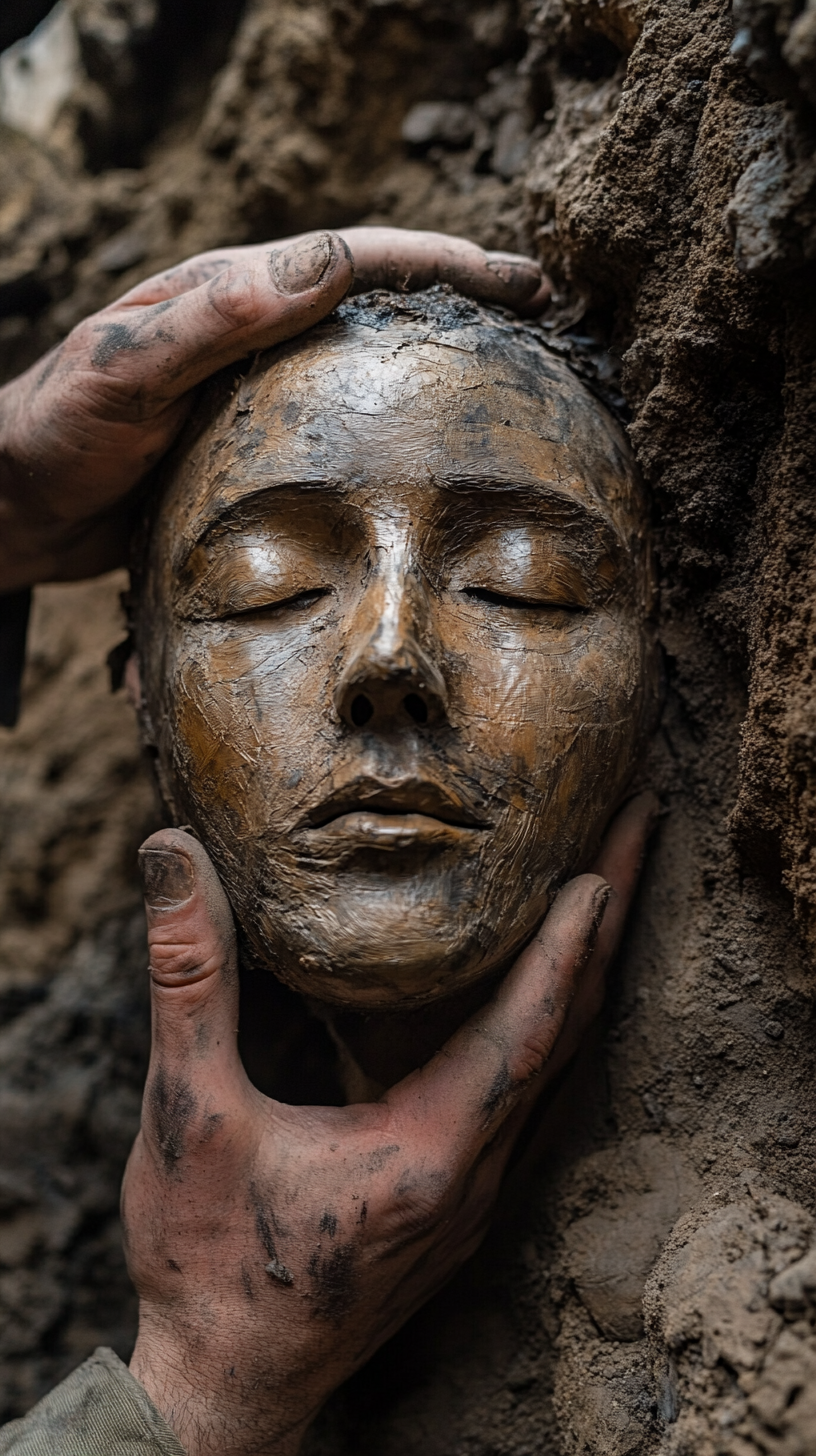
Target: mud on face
{"x": 393, "y": 633}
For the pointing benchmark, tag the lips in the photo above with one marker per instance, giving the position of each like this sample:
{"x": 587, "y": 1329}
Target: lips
{"x": 405, "y": 796}
{"x": 367, "y": 811}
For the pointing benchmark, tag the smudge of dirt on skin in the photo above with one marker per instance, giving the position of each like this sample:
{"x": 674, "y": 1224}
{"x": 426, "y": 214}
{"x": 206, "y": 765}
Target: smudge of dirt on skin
{"x": 264, "y": 1223}
{"x": 502, "y": 1082}
{"x": 377, "y": 1160}
{"x": 212, "y": 1122}
{"x": 115, "y": 339}
{"x": 279, "y": 1271}
{"x": 172, "y": 1105}
{"x": 333, "y": 1279}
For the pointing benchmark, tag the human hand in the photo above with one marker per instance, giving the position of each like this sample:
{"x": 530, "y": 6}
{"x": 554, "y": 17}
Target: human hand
{"x": 274, "y": 1248}
{"x": 83, "y": 426}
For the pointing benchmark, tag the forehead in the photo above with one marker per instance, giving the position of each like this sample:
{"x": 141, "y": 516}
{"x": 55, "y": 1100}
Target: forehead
{"x": 365, "y": 410}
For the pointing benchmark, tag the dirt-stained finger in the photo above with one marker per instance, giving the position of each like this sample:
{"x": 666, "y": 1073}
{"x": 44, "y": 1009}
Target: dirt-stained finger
{"x": 191, "y": 935}
{"x": 453, "y": 1106}
{"x": 157, "y": 345}
{"x": 619, "y": 863}
{"x": 191, "y": 273}
{"x": 531, "y": 308}
{"x": 194, "y": 1063}
{"x": 406, "y": 259}
{"x": 403, "y": 259}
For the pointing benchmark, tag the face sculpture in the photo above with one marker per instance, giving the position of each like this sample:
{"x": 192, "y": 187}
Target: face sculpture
{"x": 392, "y": 629}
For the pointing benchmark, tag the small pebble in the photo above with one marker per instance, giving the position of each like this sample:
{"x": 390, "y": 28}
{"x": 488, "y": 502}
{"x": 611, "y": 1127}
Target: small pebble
{"x": 279, "y": 1271}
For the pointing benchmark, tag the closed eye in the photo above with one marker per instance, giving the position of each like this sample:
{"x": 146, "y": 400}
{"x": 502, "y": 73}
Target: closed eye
{"x": 299, "y": 602}
{"x": 497, "y": 599}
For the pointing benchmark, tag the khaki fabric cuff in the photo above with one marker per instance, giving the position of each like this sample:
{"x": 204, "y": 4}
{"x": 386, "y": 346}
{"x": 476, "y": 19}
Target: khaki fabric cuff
{"x": 100, "y": 1410}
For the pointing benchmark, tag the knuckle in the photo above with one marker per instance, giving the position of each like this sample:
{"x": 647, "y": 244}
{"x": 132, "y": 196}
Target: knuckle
{"x": 82, "y": 336}
{"x": 422, "y": 1202}
{"x": 232, "y": 296}
{"x": 531, "y": 1055}
{"x": 178, "y": 961}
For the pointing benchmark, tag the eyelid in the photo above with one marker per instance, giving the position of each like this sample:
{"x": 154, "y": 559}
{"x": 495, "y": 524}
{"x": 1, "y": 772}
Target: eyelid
{"x": 520, "y": 601}
{"x": 297, "y": 599}
{"x": 250, "y": 576}
{"x": 262, "y": 603}
{"x": 538, "y": 574}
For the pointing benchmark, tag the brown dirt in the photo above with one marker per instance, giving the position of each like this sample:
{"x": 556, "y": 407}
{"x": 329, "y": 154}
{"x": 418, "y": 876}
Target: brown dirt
{"x": 668, "y": 180}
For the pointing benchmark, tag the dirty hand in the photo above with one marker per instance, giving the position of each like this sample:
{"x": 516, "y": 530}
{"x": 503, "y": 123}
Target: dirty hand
{"x": 274, "y": 1248}
{"x": 83, "y": 426}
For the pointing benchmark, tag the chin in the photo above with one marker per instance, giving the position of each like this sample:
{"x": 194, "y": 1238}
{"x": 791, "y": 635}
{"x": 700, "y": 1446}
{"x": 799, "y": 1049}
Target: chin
{"x": 378, "y": 957}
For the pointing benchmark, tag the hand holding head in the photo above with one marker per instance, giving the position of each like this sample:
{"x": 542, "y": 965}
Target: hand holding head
{"x": 82, "y": 427}
{"x": 274, "y": 1248}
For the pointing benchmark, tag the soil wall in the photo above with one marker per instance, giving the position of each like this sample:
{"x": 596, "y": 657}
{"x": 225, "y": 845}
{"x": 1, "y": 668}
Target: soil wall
{"x": 654, "y": 1292}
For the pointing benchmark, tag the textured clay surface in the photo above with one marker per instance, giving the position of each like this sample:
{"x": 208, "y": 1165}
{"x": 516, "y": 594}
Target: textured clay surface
{"x": 393, "y": 644}
{"x": 658, "y": 155}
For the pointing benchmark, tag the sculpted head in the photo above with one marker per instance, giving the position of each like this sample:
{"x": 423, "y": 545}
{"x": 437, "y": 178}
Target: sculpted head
{"x": 392, "y": 624}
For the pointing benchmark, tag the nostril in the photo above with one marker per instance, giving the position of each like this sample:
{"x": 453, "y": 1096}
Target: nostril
{"x": 362, "y": 709}
{"x": 415, "y": 707}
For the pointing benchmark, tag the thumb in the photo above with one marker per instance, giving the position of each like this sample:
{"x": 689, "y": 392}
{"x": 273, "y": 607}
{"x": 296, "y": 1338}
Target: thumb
{"x": 491, "y": 1064}
{"x": 194, "y": 1060}
{"x": 152, "y": 352}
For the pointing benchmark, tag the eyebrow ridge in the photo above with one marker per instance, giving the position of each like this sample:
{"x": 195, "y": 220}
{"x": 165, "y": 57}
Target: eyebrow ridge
{"x": 216, "y": 515}
{"x": 530, "y": 487}
{"x": 522, "y": 485}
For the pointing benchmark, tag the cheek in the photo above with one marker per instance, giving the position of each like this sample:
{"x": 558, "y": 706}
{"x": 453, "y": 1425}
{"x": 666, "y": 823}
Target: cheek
{"x": 244, "y": 705}
{"x": 546, "y": 701}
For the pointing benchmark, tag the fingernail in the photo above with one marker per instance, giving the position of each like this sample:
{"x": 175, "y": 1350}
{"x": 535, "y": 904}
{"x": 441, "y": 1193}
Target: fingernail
{"x": 301, "y": 265}
{"x": 167, "y": 877}
{"x": 517, "y": 272}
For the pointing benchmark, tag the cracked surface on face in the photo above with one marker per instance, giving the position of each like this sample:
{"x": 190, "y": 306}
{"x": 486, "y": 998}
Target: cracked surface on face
{"x": 394, "y": 647}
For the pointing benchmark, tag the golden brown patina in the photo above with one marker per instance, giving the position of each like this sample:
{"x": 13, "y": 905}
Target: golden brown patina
{"x": 393, "y": 631}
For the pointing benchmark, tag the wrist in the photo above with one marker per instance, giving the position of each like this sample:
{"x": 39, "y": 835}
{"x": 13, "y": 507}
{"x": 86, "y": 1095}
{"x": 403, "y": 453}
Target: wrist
{"x": 217, "y": 1409}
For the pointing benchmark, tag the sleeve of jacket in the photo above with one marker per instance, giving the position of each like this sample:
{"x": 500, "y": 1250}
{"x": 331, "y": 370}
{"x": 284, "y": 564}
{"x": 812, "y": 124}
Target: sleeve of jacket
{"x": 100, "y": 1410}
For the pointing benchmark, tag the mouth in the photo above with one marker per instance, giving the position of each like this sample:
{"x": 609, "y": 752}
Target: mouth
{"x": 393, "y": 816}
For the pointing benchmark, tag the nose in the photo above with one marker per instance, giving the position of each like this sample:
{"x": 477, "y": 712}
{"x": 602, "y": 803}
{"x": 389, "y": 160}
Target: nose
{"x": 391, "y": 678}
